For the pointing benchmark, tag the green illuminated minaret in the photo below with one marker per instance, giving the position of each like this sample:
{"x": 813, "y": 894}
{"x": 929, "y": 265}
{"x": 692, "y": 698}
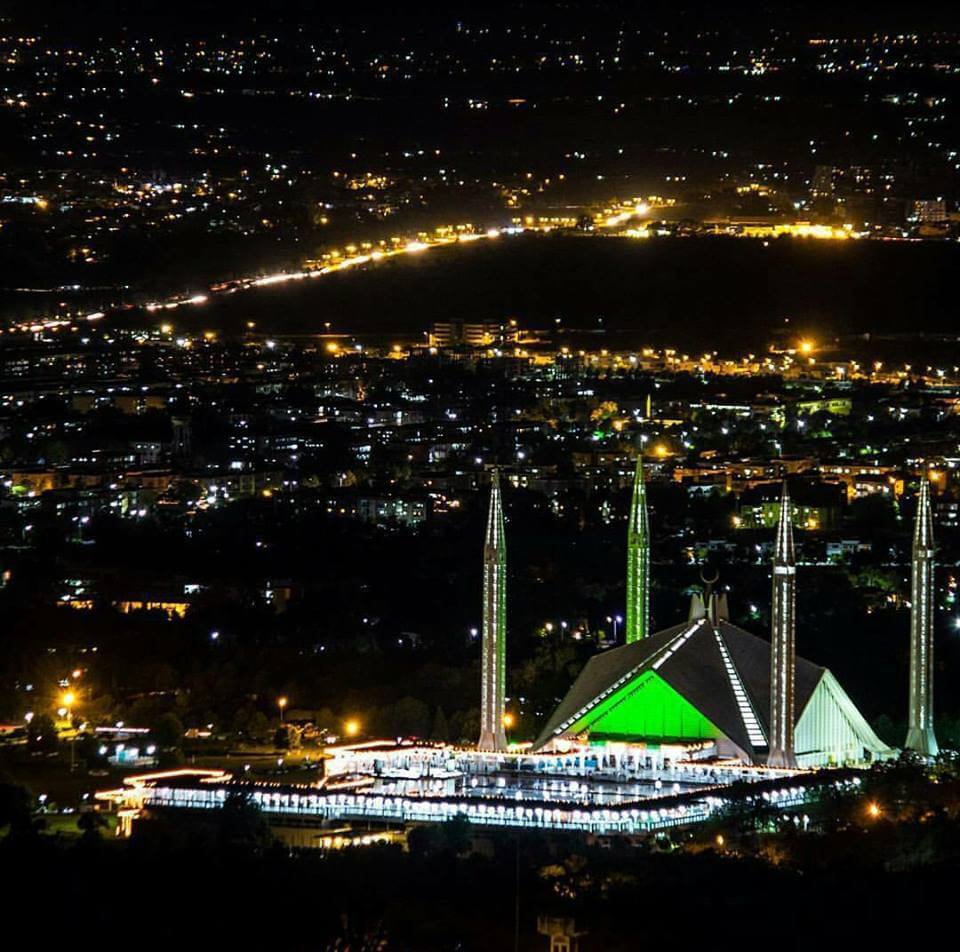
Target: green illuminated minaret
{"x": 920, "y": 736}
{"x": 494, "y": 643}
{"x": 638, "y": 560}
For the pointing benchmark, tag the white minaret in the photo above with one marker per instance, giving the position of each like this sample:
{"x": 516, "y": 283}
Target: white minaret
{"x": 494, "y": 643}
{"x": 920, "y": 736}
{"x": 783, "y": 651}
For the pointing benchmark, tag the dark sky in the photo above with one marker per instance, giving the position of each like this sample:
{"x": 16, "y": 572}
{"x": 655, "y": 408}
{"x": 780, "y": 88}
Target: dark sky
{"x": 185, "y": 15}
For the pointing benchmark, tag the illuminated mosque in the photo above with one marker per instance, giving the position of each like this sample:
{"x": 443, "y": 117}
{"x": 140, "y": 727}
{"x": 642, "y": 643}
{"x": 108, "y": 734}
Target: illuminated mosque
{"x": 705, "y": 686}
{"x": 651, "y": 736}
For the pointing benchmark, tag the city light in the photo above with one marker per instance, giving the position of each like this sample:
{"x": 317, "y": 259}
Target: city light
{"x": 662, "y": 370}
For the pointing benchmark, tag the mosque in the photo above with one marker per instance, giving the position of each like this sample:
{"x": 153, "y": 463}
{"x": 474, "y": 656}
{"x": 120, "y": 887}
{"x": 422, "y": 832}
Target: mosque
{"x": 705, "y": 685}
{"x": 649, "y": 737}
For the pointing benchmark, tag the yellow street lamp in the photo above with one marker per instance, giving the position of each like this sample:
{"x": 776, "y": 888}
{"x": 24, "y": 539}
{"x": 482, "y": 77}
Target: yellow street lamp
{"x": 351, "y": 727}
{"x": 282, "y": 702}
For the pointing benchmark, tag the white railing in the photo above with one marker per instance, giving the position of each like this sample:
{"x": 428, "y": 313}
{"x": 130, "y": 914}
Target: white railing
{"x": 382, "y": 808}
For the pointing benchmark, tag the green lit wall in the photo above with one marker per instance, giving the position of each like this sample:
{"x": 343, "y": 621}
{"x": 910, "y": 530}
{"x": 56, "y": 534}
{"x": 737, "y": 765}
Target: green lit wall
{"x": 646, "y": 708}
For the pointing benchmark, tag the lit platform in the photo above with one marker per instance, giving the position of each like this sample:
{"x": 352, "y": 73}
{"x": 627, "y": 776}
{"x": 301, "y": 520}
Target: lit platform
{"x": 391, "y": 784}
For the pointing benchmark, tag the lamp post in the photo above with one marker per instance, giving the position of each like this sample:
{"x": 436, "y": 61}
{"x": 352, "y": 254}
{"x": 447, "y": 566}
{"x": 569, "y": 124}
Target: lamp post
{"x": 68, "y": 700}
{"x": 282, "y": 703}
{"x": 615, "y": 620}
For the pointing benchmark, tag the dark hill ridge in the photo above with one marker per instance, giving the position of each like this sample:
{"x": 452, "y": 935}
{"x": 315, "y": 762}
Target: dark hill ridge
{"x": 696, "y": 292}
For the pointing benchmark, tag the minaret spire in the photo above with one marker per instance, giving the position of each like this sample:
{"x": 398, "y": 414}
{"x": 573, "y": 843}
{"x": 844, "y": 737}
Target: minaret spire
{"x": 783, "y": 652}
{"x": 638, "y": 560}
{"x": 493, "y": 668}
{"x": 920, "y": 736}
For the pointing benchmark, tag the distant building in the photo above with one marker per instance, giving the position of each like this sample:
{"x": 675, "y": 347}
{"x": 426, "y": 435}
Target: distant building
{"x": 835, "y": 406}
{"x": 948, "y": 513}
{"x": 864, "y": 479}
{"x": 458, "y": 333}
{"x": 822, "y": 184}
{"x": 816, "y": 505}
{"x": 841, "y": 549}
{"x": 383, "y": 510}
{"x": 929, "y": 211}
{"x": 744, "y": 474}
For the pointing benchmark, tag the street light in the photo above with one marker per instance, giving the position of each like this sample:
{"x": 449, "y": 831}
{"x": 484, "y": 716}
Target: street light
{"x": 282, "y": 702}
{"x": 351, "y": 727}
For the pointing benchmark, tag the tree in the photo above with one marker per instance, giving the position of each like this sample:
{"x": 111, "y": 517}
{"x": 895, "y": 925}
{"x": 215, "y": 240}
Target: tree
{"x": 42, "y": 734}
{"x": 286, "y": 737}
{"x": 469, "y": 726}
{"x": 886, "y": 730}
{"x": 873, "y": 513}
{"x": 441, "y": 730}
{"x": 168, "y": 731}
{"x": 411, "y": 717}
{"x": 240, "y": 823}
{"x": 424, "y": 840}
{"x": 91, "y": 822}
{"x": 456, "y": 834}
{"x": 258, "y": 725}
{"x": 16, "y": 807}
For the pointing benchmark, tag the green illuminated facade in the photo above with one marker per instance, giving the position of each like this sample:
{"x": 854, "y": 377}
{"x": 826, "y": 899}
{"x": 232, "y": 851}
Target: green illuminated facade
{"x": 638, "y": 561}
{"x": 649, "y": 707}
{"x": 707, "y": 682}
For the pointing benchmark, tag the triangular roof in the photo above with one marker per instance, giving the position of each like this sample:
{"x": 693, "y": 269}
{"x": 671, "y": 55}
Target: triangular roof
{"x": 722, "y": 670}
{"x": 606, "y": 670}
